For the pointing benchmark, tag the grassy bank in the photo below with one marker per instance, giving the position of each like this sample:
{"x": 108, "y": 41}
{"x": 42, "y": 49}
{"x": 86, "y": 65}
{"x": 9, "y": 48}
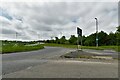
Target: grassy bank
{"x": 19, "y": 48}
{"x": 85, "y": 47}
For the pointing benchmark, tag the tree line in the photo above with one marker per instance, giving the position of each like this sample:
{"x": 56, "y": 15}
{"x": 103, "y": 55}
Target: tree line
{"x": 104, "y": 39}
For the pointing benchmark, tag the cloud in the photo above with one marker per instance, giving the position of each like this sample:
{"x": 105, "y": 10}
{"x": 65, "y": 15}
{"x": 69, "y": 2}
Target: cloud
{"x": 5, "y": 14}
{"x": 51, "y": 18}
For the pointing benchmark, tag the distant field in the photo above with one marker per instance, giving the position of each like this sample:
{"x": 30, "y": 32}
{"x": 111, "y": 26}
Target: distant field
{"x": 16, "y": 47}
{"x": 116, "y": 48}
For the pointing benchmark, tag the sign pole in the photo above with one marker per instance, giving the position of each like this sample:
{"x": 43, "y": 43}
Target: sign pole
{"x": 78, "y": 42}
{"x": 81, "y": 43}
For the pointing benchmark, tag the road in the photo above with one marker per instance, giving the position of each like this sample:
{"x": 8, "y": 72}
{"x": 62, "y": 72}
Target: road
{"x": 46, "y": 63}
{"x": 18, "y": 61}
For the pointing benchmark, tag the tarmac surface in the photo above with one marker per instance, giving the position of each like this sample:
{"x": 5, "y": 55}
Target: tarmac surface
{"x": 47, "y": 63}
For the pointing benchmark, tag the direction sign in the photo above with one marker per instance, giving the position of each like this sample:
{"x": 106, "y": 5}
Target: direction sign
{"x": 79, "y": 31}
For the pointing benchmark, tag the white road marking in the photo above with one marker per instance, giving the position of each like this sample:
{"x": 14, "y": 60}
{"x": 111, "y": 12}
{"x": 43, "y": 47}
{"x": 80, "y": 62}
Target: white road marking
{"x": 29, "y": 67}
{"x": 70, "y": 61}
{"x": 102, "y": 57}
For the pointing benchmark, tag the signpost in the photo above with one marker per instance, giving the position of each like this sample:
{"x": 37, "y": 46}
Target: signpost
{"x": 79, "y": 32}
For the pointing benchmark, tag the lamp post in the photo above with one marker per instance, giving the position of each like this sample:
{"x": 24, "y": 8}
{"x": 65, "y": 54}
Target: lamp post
{"x": 96, "y": 32}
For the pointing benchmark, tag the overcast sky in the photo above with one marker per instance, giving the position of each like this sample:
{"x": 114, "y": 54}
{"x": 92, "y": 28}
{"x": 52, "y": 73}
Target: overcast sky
{"x": 43, "y": 20}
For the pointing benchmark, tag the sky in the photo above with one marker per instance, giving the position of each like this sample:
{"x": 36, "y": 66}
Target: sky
{"x": 44, "y": 20}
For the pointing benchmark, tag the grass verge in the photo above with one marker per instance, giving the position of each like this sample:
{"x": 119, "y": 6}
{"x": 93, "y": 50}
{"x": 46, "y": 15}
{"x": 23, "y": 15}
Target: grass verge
{"x": 115, "y": 48}
{"x": 19, "y": 48}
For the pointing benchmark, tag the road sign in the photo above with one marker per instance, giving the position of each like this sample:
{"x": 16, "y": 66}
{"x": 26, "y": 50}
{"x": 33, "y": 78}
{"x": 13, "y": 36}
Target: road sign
{"x": 79, "y": 31}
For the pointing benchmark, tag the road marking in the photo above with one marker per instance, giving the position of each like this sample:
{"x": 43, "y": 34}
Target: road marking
{"x": 96, "y": 52}
{"x": 29, "y": 67}
{"x": 70, "y": 61}
{"x": 102, "y": 57}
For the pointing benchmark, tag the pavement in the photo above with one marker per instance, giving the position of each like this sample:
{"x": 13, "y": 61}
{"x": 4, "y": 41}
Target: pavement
{"x": 46, "y": 63}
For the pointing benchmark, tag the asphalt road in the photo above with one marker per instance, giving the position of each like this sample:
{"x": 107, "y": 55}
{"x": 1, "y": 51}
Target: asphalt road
{"x": 18, "y": 61}
{"x": 68, "y": 69}
{"x": 46, "y": 63}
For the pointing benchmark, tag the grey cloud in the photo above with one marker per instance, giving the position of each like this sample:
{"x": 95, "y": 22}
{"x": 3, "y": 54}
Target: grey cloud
{"x": 7, "y": 31}
{"x": 40, "y": 26}
{"x": 49, "y": 19}
{"x": 26, "y": 38}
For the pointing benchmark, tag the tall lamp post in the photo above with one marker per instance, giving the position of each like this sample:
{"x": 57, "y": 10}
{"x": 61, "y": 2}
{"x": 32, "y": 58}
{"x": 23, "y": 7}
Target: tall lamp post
{"x": 96, "y": 32}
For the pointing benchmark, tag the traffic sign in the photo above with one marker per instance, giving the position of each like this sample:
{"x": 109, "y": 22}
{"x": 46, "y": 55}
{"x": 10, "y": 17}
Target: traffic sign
{"x": 79, "y": 31}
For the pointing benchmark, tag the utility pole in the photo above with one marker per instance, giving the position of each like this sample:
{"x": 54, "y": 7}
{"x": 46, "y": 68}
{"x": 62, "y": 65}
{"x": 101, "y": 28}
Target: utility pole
{"x": 16, "y": 35}
{"x": 96, "y": 32}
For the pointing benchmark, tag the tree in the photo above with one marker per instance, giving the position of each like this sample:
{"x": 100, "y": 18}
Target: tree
{"x": 102, "y": 38}
{"x": 118, "y": 35}
{"x": 118, "y": 29}
{"x": 90, "y": 40}
{"x": 57, "y": 40}
{"x": 83, "y": 40}
{"x": 73, "y": 39}
{"x": 112, "y": 39}
{"x": 62, "y": 40}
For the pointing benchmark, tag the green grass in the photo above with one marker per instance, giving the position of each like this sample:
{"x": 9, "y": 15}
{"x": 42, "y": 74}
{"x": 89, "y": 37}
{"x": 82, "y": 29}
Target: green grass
{"x": 116, "y": 48}
{"x": 60, "y": 45}
{"x": 9, "y": 48}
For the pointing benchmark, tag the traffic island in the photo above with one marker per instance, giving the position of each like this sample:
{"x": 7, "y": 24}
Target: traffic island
{"x": 86, "y": 55}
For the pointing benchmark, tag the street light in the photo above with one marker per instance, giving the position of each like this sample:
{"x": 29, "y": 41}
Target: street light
{"x": 96, "y": 32}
